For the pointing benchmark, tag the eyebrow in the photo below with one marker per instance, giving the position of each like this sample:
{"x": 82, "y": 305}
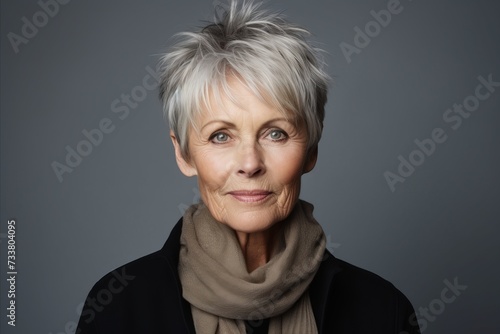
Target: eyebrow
{"x": 230, "y": 124}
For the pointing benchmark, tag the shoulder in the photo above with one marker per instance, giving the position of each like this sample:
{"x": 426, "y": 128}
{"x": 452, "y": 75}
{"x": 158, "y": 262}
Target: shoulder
{"x": 361, "y": 283}
{"x": 358, "y": 298}
{"x": 147, "y": 271}
{"x": 150, "y": 272}
{"x": 135, "y": 297}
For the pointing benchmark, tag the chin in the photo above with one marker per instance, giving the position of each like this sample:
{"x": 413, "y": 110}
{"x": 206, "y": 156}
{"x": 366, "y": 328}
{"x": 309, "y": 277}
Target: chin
{"x": 251, "y": 222}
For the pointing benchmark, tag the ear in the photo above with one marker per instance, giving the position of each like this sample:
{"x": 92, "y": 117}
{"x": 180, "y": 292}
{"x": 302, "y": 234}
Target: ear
{"x": 312, "y": 157}
{"x": 186, "y": 167}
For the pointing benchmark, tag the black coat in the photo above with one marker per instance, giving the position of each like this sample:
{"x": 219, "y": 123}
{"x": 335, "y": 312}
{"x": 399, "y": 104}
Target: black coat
{"x": 145, "y": 296}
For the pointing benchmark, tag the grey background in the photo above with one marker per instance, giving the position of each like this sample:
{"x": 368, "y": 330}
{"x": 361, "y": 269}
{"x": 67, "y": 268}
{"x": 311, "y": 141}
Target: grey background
{"x": 122, "y": 200}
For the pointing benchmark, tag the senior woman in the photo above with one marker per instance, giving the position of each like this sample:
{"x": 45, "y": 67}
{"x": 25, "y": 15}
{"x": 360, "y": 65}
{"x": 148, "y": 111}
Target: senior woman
{"x": 245, "y": 100}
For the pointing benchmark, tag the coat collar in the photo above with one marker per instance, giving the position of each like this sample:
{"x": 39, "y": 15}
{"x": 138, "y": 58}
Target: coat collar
{"x": 320, "y": 288}
{"x": 171, "y": 251}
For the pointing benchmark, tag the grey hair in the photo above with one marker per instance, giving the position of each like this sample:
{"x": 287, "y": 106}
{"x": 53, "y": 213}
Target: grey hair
{"x": 269, "y": 55}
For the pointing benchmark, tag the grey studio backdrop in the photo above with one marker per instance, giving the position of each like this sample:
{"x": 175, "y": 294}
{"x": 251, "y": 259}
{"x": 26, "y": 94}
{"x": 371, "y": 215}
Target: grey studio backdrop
{"x": 406, "y": 184}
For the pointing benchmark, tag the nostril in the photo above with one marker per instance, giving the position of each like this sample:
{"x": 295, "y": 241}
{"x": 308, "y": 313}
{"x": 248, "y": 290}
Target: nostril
{"x": 250, "y": 173}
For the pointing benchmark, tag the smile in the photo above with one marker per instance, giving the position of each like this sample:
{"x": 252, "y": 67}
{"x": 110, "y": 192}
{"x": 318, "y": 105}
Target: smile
{"x": 250, "y": 196}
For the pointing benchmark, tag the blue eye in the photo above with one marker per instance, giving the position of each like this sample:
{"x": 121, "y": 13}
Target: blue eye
{"x": 277, "y": 135}
{"x": 219, "y": 137}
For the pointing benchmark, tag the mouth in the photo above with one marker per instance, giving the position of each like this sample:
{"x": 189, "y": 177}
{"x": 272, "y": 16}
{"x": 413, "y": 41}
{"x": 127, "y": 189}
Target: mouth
{"x": 250, "y": 196}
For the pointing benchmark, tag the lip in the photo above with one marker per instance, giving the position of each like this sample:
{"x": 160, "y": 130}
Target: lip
{"x": 250, "y": 196}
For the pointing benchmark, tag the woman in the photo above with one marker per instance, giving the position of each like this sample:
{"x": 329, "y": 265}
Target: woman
{"x": 245, "y": 100}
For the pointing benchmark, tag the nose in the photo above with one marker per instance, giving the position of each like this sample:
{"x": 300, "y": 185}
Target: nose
{"x": 250, "y": 160}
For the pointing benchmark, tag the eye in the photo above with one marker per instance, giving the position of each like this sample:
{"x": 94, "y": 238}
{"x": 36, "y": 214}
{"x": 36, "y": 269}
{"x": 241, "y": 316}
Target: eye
{"x": 277, "y": 135}
{"x": 219, "y": 137}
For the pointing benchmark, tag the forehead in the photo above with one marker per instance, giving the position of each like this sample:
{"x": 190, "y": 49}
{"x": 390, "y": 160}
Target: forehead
{"x": 235, "y": 98}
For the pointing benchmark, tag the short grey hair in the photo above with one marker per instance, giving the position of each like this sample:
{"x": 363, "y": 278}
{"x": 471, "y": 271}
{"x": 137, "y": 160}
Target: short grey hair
{"x": 268, "y": 54}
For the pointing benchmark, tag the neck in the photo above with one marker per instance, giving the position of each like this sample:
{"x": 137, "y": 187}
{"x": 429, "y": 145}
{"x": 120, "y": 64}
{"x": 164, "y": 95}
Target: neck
{"x": 257, "y": 247}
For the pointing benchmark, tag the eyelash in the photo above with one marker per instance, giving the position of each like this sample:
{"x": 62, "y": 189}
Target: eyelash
{"x": 213, "y": 137}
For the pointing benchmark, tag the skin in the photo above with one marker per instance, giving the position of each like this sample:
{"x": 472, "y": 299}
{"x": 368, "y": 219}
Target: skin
{"x": 249, "y": 161}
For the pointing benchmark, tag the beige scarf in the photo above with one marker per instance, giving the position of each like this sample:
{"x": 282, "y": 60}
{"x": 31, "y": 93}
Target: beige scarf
{"x": 223, "y": 294}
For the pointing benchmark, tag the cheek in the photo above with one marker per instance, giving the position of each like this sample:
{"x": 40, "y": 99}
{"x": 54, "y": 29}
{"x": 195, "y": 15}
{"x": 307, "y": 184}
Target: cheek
{"x": 286, "y": 166}
{"x": 212, "y": 170}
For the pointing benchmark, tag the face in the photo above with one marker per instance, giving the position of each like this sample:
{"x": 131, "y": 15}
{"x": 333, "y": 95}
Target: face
{"x": 249, "y": 161}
